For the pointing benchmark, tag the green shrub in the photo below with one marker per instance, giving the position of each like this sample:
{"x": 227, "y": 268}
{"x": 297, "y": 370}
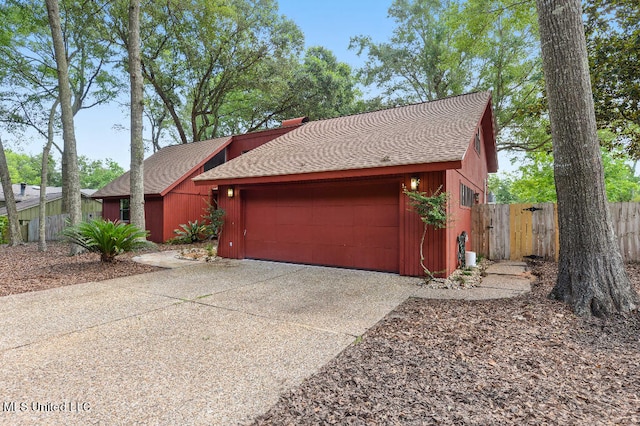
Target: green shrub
{"x": 4, "y": 230}
{"x": 214, "y": 219}
{"x": 107, "y": 238}
{"x": 191, "y": 232}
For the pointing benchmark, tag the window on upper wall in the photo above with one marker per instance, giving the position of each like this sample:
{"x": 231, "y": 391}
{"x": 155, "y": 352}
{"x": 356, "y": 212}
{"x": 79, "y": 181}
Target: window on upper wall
{"x": 467, "y": 197}
{"x": 124, "y": 210}
{"x": 477, "y": 141}
{"x": 216, "y": 160}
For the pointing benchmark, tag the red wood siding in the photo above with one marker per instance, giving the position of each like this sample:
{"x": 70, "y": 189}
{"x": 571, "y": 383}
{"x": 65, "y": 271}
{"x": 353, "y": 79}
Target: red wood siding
{"x": 230, "y": 239}
{"x": 353, "y": 224}
{"x": 473, "y": 174}
{"x": 249, "y": 141}
{"x": 411, "y": 232}
{"x": 153, "y": 218}
{"x": 186, "y": 202}
{"x": 152, "y": 215}
{"x": 111, "y": 209}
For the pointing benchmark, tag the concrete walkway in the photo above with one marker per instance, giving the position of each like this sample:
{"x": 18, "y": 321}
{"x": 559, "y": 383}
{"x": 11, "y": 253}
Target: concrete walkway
{"x": 199, "y": 344}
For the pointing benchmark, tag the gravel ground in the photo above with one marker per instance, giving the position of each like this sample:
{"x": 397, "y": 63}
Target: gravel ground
{"x": 527, "y": 360}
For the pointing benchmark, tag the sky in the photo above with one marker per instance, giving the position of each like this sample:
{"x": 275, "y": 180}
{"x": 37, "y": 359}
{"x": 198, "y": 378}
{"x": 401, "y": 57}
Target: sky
{"x": 102, "y": 131}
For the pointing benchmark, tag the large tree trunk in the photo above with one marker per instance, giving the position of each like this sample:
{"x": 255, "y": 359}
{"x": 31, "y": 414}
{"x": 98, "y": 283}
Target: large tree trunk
{"x": 591, "y": 273}
{"x": 137, "y": 144}
{"x": 72, "y": 181}
{"x": 15, "y": 236}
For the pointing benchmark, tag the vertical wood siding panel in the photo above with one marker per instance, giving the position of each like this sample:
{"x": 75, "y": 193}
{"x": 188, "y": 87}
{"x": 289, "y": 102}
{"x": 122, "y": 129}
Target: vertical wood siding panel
{"x": 411, "y": 232}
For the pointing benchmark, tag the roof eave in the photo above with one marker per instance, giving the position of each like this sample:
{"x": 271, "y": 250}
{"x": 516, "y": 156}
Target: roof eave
{"x": 490, "y": 143}
{"x": 196, "y": 167}
{"x": 334, "y": 174}
{"x": 120, "y": 196}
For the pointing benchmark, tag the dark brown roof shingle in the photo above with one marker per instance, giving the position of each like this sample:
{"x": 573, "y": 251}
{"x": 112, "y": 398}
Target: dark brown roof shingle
{"x": 430, "y": 132}
{"x": 166, "y": 167}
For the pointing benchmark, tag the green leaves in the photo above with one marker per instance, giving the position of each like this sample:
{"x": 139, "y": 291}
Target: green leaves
{"x": 433, "y": 212}
{"x": 613, "y": 42}
{"x": 431, "y": 209}
{"x": 210, "y": 62}
{"x": 191, "y": 232}
{"x": 95, "y": 174}
{"x": 214, "y": 220}
{"x": 107, "y": 238}
{"x": 26, "y": 168}
{"x": 534, "y": 180}
{"x": 442, "y": 48}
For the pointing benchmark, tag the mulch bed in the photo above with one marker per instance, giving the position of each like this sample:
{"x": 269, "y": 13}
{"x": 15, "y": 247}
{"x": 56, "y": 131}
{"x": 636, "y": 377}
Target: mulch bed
{"x": 23, "y": 268}
{"x": 526, "y": 360}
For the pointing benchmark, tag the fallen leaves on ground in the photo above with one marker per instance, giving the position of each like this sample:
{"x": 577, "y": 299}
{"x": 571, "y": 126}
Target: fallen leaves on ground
{"x": 23, "y": 268}
{"x": 526, "y": 360}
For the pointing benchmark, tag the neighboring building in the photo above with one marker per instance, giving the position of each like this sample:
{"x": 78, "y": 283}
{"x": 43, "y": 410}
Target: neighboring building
{"x": 171, "y": 197}
{"x": 330, "y": 191}
{"x": 28, "y": 207}
{"x": 24, "y": 192}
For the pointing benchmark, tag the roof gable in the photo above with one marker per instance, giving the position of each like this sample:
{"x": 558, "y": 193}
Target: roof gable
{"x": 426, "y": 133}
{"x": 167, "y": 168}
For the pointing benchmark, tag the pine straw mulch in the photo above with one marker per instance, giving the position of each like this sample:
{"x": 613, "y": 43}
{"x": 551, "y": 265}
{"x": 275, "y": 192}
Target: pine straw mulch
{"x": 23, "y": 268}
{"x": 526, "y": 360}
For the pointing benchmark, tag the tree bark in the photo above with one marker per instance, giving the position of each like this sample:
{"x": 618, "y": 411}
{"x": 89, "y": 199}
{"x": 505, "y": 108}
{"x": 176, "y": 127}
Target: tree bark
{"x": 15, "y": 236}
{"x": 42, "y": 213}
{"x": 72, "y": 181}
{"x": 137, "y": 109}
{"x": 591, "y": 274}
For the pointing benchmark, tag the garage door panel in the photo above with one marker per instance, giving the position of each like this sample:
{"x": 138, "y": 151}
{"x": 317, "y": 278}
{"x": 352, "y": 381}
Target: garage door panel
{"x": 262, "y": 214}
{"x": 292, "y": 215}
{"x": 381, "y": 216}
{"x": 374, "y": 236}
{"x": 282, "y": 251}
{"x": 326, "y": 254}
{"x": 336, "y": 225}
{"x": 293, "y": 252}
{"x": 333, "y": 215}
{"x": 386, "y": 258}
{"x": 297, "y": 193}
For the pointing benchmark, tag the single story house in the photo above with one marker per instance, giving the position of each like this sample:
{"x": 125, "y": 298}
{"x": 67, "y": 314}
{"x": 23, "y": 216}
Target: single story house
{"x": 25, "y": 192}
{"x": 330, "y": 192}
{"x": 171, "y": 197}
{"x": 28, "y": 207}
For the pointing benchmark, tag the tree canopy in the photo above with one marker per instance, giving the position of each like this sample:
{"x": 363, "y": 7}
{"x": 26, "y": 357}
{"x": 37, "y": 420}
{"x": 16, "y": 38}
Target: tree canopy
{"x": 613, "y": 41}
{"x": 534, "y": 180}
{"x": 94, "y": 174}
{"x": 441, "y": 48}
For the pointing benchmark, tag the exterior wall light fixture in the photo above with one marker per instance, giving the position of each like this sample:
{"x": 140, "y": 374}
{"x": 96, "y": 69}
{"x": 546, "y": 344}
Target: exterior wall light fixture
{"x": 230, "y": 192}
{"x": 415, "y": 182}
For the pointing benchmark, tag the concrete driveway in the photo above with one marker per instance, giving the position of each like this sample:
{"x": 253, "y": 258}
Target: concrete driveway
{"x": 206, "y": 344}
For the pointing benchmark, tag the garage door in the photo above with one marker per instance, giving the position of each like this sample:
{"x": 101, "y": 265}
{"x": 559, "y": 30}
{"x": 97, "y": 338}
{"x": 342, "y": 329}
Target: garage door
{"x": 346, "y": 225}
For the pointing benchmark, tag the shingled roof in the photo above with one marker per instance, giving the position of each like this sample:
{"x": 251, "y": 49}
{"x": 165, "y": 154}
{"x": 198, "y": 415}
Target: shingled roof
{"x": 166, "y": 168}
{"x": 431, "y": 132}
{"x": 30, "y": 202}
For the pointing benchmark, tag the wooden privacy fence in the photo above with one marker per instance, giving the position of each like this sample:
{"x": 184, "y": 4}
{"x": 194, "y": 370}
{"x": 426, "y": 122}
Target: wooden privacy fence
{"x": 513, "y": 231}
{"x": 54, "y": 225}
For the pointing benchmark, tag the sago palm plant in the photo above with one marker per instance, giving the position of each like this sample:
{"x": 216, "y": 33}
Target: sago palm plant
{"x": 107, "y": 238}
{"x": 191, "y": 232}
